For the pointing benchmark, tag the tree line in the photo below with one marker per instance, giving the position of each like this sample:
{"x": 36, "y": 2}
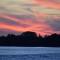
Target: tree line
{"x": 30, "y": 39}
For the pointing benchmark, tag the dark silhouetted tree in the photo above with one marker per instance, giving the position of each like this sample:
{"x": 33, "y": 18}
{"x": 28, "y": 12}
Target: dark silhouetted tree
{"x": 29, "y": 38}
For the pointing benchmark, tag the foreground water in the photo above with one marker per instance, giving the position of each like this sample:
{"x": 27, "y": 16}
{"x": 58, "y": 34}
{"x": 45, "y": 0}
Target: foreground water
{"x": 29, "y": 53}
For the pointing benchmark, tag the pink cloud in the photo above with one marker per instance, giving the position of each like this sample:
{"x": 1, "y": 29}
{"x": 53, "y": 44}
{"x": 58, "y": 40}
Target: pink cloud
{"x": 48, "y": 4}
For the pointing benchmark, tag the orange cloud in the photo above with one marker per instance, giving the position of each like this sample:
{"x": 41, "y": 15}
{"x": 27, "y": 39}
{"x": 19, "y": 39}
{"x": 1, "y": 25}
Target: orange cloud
{"x": 38, "y": 28}
{"x": 10, "y": 27}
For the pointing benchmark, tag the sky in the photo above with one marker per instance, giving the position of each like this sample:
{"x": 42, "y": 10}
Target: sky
{"x": 40, "y": 16}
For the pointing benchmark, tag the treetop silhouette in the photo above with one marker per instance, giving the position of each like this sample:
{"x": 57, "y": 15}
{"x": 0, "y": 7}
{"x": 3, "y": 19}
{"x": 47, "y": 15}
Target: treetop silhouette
{"x": 29, "y": 38}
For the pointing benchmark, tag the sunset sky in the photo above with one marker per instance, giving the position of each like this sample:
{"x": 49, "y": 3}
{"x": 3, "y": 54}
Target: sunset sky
{"x": 40, "y": 16}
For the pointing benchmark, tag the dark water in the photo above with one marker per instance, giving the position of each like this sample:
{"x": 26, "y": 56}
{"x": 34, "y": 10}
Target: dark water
{"x": 22, "y": 53}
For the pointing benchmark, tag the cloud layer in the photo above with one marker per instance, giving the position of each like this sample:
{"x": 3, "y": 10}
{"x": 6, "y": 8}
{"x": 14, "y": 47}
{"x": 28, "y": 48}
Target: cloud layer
{"x": 40, "y": 16}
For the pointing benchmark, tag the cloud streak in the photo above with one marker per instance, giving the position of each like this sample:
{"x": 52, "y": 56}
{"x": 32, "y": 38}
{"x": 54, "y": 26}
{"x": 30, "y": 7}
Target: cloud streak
{"x": 40, "y": 16}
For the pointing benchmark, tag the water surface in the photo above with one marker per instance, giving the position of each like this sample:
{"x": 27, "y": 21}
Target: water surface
{"x": 29, "y": 53}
